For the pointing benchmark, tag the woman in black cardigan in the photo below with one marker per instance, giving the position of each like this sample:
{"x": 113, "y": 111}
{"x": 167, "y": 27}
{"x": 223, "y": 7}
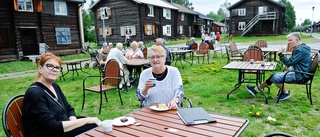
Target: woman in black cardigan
{"x": 45, "y": 110}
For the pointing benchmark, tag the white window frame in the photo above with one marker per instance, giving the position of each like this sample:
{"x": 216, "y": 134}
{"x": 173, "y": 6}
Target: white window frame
{"x": 125, "y": 29}
{"x": 151, "y": 11}
{"x": 60, "y": 7}
{"x": 208, "y": 22}
{"x": 241, "y": 25}
{"x": 149, "y": 29}
{"x": 166, "y": 30}
{"x": 263, "y": 10}
{"x": 182, "y": 16}
{"x": 180, "y": 29}
{"x": 63, "y": 35}
{"x": 242, "y": 12}
{"x": 167, "y": 13}
{"x": 25, "y": 5}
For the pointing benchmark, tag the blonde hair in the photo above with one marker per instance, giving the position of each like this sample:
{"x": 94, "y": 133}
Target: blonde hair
{"x": 43, "y": 59}
{"x": 158, "y": 49}
{"x": 134, "y": 43}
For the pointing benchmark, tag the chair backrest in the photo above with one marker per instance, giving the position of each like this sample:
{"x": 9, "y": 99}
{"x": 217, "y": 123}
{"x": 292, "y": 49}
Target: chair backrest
{"x": 145, "y": 52}
{"x": 112, "y": 72}
{"x": 12, "y": 117}
{"x": 262, "y": 43}
{"x": 314, "y": 64}
{"x": 233, "y": 48}
{"x": 289, "y": 48}
{"x": 256, "y": 47}
{"x": 252, "y": 53}
{"x": 211, "y": 47}
{"x": 194, "y": 46}
{"x": 203, "y": 49}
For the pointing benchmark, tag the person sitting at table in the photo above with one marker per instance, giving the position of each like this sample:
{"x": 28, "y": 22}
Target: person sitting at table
{"x": 103, "y": 54}
{"x": 168, "y": 88}
{"x": 45, "y": 110}
{"x": 116, "y": 53}
{"x": 217, "y": 40}
{"x": 141, "y": 46}
{"x": 300, "y": 60}
{"x": 159, "y": 42}
{"x": 192, "y": 41}
{"x": 110, "y": 45}
{"x": 134, "y": 53}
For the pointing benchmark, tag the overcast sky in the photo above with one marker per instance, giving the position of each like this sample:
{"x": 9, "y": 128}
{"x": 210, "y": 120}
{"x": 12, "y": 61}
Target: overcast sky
{"x": 303, "y": 8}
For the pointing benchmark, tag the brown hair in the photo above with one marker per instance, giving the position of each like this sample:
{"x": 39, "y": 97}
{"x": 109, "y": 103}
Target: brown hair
{"x": 43, "y": 59}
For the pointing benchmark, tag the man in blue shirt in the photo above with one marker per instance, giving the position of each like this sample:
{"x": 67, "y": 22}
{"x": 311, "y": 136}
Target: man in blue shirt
{"x": 159, "y": 42}
{"x": 190, "y": 43}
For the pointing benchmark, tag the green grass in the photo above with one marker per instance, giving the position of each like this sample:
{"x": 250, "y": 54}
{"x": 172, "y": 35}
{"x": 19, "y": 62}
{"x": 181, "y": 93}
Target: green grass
{"x": 207, "y": 86}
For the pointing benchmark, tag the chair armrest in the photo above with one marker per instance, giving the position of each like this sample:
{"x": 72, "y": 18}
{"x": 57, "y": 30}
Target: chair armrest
{"x": 90, "y": 76}
{"x": 284, "y": 77}
{"x": 189, "y": 102}
{"x": 279, "y": 134}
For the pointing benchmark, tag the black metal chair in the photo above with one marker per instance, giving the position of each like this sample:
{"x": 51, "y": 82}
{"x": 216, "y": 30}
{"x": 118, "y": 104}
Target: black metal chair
{"x": 279, "y": 134}
{"x": 12, "y": 117}
{"x": 189, "y": 102}
{"x": 307, "y": 82}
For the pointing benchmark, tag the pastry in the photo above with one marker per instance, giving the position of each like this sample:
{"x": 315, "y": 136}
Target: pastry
{"x": 162, "y": 106}
{"x": 123, "y": 120}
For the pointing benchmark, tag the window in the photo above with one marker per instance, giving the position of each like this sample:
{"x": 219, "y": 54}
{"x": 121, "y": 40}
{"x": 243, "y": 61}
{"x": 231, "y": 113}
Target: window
{"x": 131, "y": 30}
{"x": 208, "y": 22}
{"x": 242, "y": 12}
{"x": 25, "y": 5}
{"x": 149, "y": 29}
{"x": 60, "y": 8}
{"x": 105, "y": 12}
{"x": 182, "y": 16}
{"x": 151, "y": 13}
{"x": 180, "y": 29}
{"x": 241, "y": 25}
{"x": 166, "y": 30}
{"x": 263, "y": 9}
{"x": 167, "y": 13}
{"x": 63, "y": 36}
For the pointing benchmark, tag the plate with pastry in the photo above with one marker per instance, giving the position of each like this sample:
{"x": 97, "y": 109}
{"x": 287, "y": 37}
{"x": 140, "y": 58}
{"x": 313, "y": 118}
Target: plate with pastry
{"x": 159, "y": 107}
{"x": 123, "y": 121}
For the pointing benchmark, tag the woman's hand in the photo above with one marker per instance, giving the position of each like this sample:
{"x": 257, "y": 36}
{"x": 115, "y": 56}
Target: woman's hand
{"x": 147, "y": 86}
{"x": 172, "y": 104}
{"x": 92, "y": 120}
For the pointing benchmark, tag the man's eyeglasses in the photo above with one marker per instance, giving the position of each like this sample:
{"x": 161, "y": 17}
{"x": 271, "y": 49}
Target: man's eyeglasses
{"x": 156, "y": 56}
{"x": 52, "y": 67}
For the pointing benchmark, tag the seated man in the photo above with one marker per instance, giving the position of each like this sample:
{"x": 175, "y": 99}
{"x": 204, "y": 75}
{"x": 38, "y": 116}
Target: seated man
{"x": 116, "y": 54}
{"x": 103, "y": 54}
{"x": 190, "y": 43}
{"x": 300, "y": 61}
{"x": 159, "y": 42}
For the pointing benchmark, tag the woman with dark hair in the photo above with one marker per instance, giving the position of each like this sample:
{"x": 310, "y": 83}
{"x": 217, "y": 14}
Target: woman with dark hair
{"x": 45, "y": 110}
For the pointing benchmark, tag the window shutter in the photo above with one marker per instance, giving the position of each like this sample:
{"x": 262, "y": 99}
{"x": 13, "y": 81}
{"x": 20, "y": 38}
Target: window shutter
{"x": 147, "y": 10}
{"x": 179, "y": 17}
{"x": 164, "y": 12}
{"x": 109, "y": 12}
{"x": 37, "y": 5}
{"x": 133, "y": 30}
{"x": 164, "y": 30}
{"x": 153, "y": 30}
{"x": 122, "y": 31}
{"x": 145, "y": 29}
{"x": 98, "y": 14}
{"x": 15, "y": 5}
{"x": 100, "y": 31}
{"x": 110, "y": 31}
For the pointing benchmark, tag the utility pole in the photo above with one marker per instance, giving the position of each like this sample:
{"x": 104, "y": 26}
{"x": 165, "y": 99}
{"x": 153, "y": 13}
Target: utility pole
{"x": 311, "y": 28}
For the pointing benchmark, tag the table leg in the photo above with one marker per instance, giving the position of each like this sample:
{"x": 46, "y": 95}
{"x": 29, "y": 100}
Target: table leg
{"x": 240, "y": 81}
{"x": 65, "y": 73}
{"x": 265, "y": 96}
{"x": 82, "y": 70}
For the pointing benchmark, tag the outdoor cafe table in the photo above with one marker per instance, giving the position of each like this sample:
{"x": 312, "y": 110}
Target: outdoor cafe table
{"x": 241, "y": 66}
{"x": 177, "y": 47}
{"x": 137, "y": 63}
{"x": 271, "y": 50}
{"x": 168, "y": 123}
{"x": 178, "y": 55}
{"x": 75, "y": 66}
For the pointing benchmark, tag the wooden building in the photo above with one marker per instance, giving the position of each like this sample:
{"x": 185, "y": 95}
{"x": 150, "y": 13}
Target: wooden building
{"x": 257, "y": 17}
{"x": 219, "y": 27}
{"x": 185, "y": 20}
{"x": 202, "y": 24}
{"x": 143, "y": 20}
{"x": 26, "y": 23}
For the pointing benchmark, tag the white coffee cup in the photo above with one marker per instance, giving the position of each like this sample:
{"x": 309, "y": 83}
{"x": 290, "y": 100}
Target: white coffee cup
{"x": 154, "y": 82}
{"x": 107, "y": 125}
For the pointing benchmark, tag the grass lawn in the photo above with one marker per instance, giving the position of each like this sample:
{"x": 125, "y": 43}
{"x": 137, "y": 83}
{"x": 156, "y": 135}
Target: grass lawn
{"x": 207, "y": 86}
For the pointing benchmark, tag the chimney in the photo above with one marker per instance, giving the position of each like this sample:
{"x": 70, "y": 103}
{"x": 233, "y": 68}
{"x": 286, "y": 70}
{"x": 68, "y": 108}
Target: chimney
{"x": 192, "y": 8}
{"x": 182, "y": 4}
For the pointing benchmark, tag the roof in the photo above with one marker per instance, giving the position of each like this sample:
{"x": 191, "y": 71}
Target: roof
{"x": 202, "y": 16}
{"x": 219, "y": 24}
{"x": 158, "y": 3}
{"x": 239, "y": 2}
{"x": 183, "y": 9}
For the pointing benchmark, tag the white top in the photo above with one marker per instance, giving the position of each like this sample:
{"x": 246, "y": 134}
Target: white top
{"x": 164, "y": 91}
{"x": 116, "y": 54}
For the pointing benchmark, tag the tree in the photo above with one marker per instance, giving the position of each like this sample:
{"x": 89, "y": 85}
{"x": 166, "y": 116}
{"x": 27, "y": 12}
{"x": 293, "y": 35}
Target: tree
{"x": 290, "y": 14}
{"x": 306, "y": 22}
{"x": 222, "y": 13}
{"x": 187, "y": 4}
{"x": 88, "y": 24}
